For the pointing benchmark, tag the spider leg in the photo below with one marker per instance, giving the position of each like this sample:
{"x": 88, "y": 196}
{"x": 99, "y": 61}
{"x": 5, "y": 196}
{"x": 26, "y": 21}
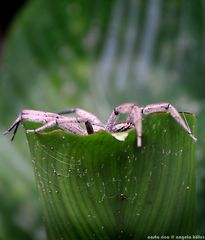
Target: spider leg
{"x": 123, "y": 126}
{"x": 15, "y": 131}
{"x": 135, "y": 116}
{"x": 83, "y": 114}
{"x": 167, "y": 107}
{"x": 88, "y": 118}
{"x": 50, "y": 124}
{"x": 122, "y": 109}
{"x": 68, "y": 124}
{"x": 14, "y": 126}
{"x": 73, "y": 128}
{"x": 30, "y": 115}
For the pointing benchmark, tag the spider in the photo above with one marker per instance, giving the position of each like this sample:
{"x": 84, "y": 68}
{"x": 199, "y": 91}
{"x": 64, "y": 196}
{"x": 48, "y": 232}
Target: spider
{"x": 93, "y": 124}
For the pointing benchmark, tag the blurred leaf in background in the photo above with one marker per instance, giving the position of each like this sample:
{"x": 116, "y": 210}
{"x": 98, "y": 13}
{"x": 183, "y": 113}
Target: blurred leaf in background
{"x": 94, "y": 55}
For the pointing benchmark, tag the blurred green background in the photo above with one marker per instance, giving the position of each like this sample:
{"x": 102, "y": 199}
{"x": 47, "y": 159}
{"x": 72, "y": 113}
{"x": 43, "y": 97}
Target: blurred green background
{"x": 94, "y": 55}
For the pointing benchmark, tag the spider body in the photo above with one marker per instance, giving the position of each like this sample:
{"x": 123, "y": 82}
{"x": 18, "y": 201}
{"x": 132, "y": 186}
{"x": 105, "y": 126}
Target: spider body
{"x": 93, "y": 124}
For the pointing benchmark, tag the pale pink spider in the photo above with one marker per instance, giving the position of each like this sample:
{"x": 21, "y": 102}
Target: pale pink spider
{"x": 93, "y": 124}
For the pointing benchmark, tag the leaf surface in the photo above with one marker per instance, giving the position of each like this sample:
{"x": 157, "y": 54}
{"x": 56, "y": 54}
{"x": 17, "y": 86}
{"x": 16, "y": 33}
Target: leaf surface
{"x": 97, "y": 187}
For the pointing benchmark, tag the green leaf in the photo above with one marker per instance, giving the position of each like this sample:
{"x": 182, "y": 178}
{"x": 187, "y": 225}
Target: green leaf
{"x": 94, "y": 55}
{"x": 97, "y": 187}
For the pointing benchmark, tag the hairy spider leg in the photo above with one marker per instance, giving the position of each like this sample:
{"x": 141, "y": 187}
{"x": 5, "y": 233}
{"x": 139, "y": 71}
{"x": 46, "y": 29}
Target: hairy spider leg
{"x": 30, "y": 115}
{"x": 68, "y": 127}
{"x": 33, "y": 116}
{"x": 68, "y": 124}
{"x": 122, "y": 109}
{"x": 167, "y": 107}
{"x": 83, "y": 114}
{"x": 134, "y": 115}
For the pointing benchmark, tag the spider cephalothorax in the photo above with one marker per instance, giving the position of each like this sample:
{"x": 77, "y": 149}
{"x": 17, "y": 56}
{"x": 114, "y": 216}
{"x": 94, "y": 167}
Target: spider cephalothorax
{"x": 93, "y": 124}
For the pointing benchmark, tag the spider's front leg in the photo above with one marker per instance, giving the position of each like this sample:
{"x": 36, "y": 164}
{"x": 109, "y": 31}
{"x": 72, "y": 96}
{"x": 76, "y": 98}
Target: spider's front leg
{"x": 30, "y": 115}
{"x": 48, "y": 120}
{"x": 167, "y": 107}
{"x": 134, "y": 115}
